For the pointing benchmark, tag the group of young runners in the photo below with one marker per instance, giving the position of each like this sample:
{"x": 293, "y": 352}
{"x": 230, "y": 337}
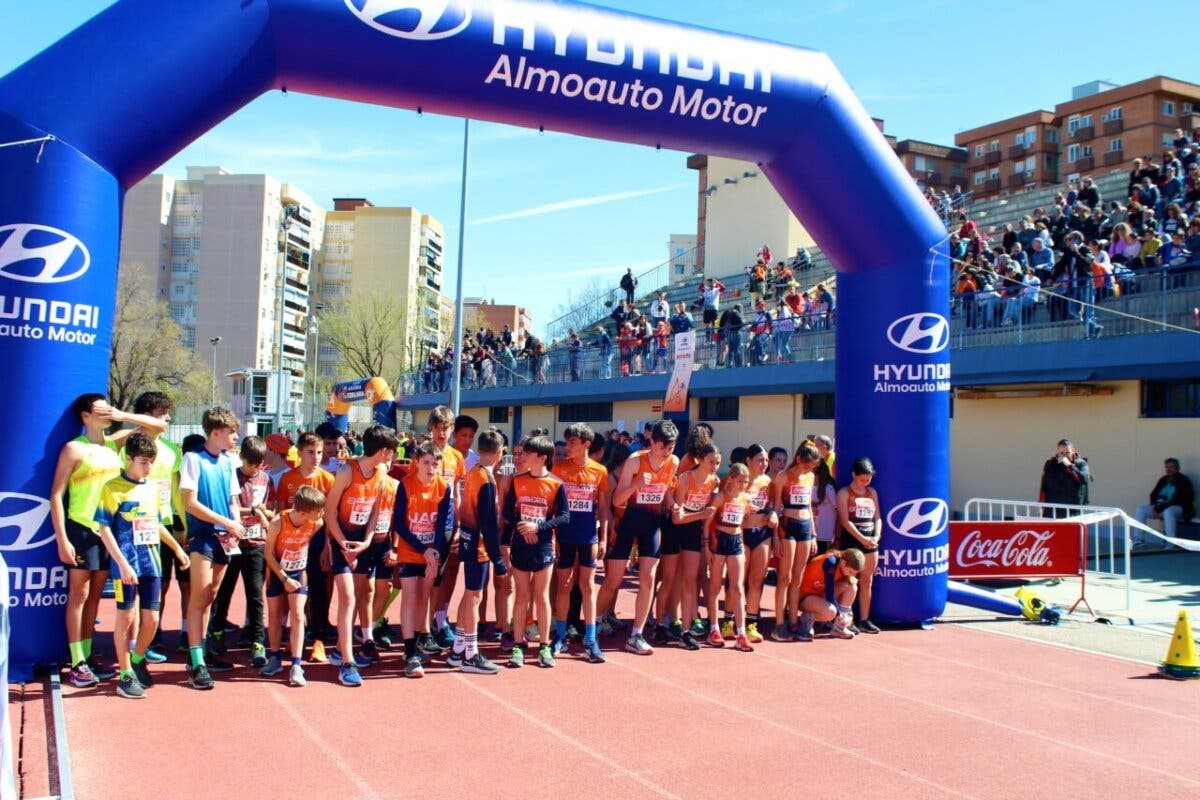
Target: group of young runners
{"x": 520, "y": 524}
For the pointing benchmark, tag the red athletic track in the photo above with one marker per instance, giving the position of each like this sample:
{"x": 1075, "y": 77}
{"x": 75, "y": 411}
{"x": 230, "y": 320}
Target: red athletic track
{"x": 956, "y": 712}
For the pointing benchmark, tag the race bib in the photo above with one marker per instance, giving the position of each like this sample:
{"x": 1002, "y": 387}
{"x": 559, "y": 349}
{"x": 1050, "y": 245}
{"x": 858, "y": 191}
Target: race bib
{"x": 651, "y": 494}
{"x": 864, "y": 508}
{"x": 760, "y": 500}
{"x": 294, "y": 560}
{"x": 799, "y": 495}
{"x": 255, "y": 532}
{"x": 164, "y": 494}
{"x": 579, "y": 498}
{"x": 384, "y": 524}
{"x": 732, "y": 514}
{"x": 229, "y": 544}
{"x": 532, "y": 509}
{"x": 360, "y": 510}
{"x": 145, "y": 531}
{"x": 423, "y": 529}
{"x": 696, "y": 501}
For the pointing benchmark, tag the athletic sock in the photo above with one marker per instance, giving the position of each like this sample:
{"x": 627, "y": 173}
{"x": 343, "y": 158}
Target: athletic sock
{"x": 125, "y": 673}
{"x": 279, "y": 654}
{"x": 368, "y": 633}
{"x": 439, "y": 618}
{"x": 197, "y": 654}
{"x": 589, "y": 633}
{"x": 410, "y": 647}
{"x": 472, "y": 645}
{"x": 136, "y": 658}
{"x": 751, "y": 618}
{"x": 741, "y": 630}
{"x": 87, "y": 648}
{"x": 560, "y": 630}
{"x": 460, "y": 641}
{"x": 76, "y": 650}
{"x": 183, "y": 627}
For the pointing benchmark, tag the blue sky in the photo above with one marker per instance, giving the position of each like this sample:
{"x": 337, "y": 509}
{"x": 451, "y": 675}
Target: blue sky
{"x": 547, "y": 213}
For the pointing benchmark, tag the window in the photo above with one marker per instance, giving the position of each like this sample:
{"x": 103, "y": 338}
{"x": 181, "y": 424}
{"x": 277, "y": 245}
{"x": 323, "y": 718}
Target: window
{"x": 1188, "y": 108}
{"x": 1115, "y": 145}
{"x": 1031, "y": 164}
{"x": 719, "y": 409}
{"x": 1178, "y": 398}
{"x": 993, "y": 173}
{"x": 1019, "y": 168}
{"x": 1019, "y": 141}
{"x": 585, "y": 412}
{"x": 1085, "y": 121}
{"x": 1030, "y": 136}
{"x": 1168, "y": 140}
{"x": 1087, "y": 151}
{"x": 818, "y": 406}
{"x": 980, "y": 177}
{"x": 1072, "y": 153}
{"x": 1112, "y": 114}
{"x": 979, "y": 151}
{"x": 994, "y": 146}
{"x": 919, "y": 163}
{"x": 498, "y": 415}
{"x": 1168, "y": 108}
{"x": 1072, "y": 124}
{"x": 1052, "y": 135}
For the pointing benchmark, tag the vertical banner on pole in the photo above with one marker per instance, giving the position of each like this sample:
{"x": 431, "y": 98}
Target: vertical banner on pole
{"x": 7, "y": 776}
{"x": 681, "y": 376}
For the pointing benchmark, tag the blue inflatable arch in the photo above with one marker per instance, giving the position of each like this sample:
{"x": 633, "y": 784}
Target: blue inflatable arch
{"x": 130, "y": 88}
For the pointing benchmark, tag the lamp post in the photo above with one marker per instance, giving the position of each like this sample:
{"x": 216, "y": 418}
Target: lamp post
{"x": 456, "y": 380}
{"x": 284, "y": 223}
{"x": 314, "y": 327}
{"x": 214, "y": 341}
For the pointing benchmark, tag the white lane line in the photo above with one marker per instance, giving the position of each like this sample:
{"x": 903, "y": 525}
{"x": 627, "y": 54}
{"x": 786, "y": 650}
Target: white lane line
{"x": 883, "y": 765}
{"x": 365, "y": 789}
{"x": 987, "y": 720}
{"x": 567, "y": 738}
{"x": 1046, "y": 684}
{"x": 1062, "y": 645}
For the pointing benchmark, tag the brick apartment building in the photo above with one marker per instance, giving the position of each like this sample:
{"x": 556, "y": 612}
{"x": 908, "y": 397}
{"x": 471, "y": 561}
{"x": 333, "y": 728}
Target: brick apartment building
{"x": 1102, "y": 127}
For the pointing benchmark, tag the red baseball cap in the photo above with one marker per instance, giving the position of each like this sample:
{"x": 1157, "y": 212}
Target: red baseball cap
{"x": 278, "y": 443}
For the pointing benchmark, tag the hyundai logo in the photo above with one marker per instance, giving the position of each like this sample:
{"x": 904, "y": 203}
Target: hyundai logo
{"x": 41, "y": 254}
{"x": 423, "y": 20}
{"x": 26, "y": 513}
{"x": 923, "y": 333}
{"x": 919, "y": 519}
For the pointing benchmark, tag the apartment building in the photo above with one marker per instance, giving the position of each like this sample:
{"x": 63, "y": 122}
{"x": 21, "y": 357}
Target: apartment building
{"x": 1102, "y": 127}
{"x": 482, "y": 311}
{"x": 392, "y": 251}
{"x": 232, "y": 256}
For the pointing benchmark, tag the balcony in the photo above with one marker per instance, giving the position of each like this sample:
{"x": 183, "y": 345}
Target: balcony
{"x": 933, "y": 179}
{"x": 1049, "y": 147}
{"x": 1085, "y": 163}
{"x": 991, "y": 185}
{"x": 1190, "y": 122}
{"x": 1017, "y": 180}
{"x": 1016, "y": 151}
{"x": 1113, "y": 157}
{"x": 1112, "y": 126}
{"x": 1082, "y": 134}
{"x": 992, "y": 157}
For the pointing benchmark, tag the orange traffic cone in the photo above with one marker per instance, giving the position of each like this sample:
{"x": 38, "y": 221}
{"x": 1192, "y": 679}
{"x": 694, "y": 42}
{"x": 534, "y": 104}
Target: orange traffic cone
{"x": 1181, "y": 662}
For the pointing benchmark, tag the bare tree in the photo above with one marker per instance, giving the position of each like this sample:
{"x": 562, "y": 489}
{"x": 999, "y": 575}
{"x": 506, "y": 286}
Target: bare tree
{"x": 589, "y": 305}
{"x": 147, "y": 347}
{"x": 369, "y": 331}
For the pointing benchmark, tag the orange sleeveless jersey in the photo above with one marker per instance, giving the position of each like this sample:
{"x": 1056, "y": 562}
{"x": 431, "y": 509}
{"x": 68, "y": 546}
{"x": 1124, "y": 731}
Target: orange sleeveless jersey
{"x": 584, "y": 486}
{"x": 387, "y": 504}
{"x": 292, "y": 540}
{"x": 534, "y": 497}
{"x": 453, "y": 468}
{"x": 468, "y": 511}
{"x": 359, "y": 499}
{"x": 797, "y": 489}
{"x": 420, "y": 513}
{"x": 292, "y": 480}
{"x": 650, "y": 494}
{"x": 758, "y": 494}
{"x": 699, "y": 495}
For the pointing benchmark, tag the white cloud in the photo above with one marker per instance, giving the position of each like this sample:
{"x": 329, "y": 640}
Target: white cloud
{"x": 578, "y": 202}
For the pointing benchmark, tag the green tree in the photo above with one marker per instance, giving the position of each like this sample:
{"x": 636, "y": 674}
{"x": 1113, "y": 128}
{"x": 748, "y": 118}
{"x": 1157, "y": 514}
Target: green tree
{"x": 368, "y": 331}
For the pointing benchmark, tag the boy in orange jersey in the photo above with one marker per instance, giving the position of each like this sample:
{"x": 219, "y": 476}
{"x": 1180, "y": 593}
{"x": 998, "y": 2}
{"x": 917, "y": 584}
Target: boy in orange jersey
{"x": 645, "y": 494}
{"x": 287, "y": 554}
{"x": 348, "y": 511}
{"x": 453, "y": 468}
{"x": 534, "y": 505}
{"x": 479, "y": 547}
{"x": 586, "y": 486}
{"x": 421, "y": 527}
{"x": 310, "y": 447}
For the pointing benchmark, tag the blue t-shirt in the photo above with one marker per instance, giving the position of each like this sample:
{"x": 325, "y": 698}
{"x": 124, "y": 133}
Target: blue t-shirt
{"x": 131, "y": 510}
{"x": 214, "y": 478}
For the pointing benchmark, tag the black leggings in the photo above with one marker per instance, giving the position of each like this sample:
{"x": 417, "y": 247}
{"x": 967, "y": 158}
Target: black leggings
{"x": 250, "y": 565}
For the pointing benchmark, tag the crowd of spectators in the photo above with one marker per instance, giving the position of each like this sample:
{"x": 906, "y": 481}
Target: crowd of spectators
{"x": 1081, "y": 250}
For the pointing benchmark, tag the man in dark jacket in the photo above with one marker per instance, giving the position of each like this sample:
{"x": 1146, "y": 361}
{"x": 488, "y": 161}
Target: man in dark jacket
{"x": 1172, "y": 500}
{"x": 628, "y": 284}
{"x": 1065, "y": 479}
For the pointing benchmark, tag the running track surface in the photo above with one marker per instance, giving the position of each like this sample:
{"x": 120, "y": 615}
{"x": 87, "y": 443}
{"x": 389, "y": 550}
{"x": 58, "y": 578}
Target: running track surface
{"x": 953, "y": 712}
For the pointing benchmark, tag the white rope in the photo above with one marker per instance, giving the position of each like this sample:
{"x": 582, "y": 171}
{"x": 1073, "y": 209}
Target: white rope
{"x": 40, "y": 141}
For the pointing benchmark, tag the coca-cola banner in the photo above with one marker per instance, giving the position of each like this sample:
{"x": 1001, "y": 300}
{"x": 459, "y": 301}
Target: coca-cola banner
{"x": 1020, "y": 549}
